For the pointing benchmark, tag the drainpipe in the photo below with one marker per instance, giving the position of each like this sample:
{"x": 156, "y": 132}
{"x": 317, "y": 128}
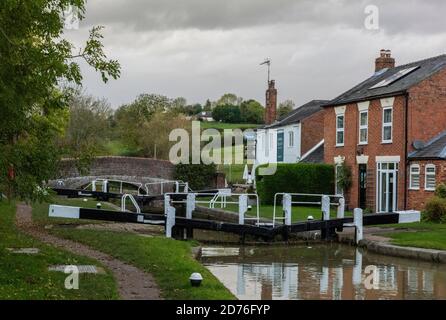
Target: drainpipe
{"x": 406, "y": 141}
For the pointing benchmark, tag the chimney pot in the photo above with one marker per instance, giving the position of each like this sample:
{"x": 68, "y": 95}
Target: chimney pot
{"x": 384, "y": 61}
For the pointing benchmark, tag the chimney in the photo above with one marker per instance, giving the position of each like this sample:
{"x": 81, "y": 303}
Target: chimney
{"x": 384, "y": 61}
{"x": 271, "y": 103}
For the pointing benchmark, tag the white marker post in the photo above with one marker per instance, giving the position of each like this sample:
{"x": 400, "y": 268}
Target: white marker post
{"x": 287, "y": 208}
{"x": 358, "y": 222}
{"x": 242, "y": 208}
{"x": 341, "y": 208}
{"x": 169, "y": 212}
{"x": 190, "y": 205}
{"x": 326, "y": 208}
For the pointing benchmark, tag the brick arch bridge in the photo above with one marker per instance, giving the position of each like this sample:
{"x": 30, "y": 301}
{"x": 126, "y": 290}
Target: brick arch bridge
{"x": 130, "y": 169}
{"x": 134, "y": 170}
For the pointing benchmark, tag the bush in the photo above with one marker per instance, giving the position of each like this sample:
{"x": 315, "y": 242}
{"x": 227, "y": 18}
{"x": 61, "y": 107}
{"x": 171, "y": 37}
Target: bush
{"x": 440, "y": 191}
{"x": 199, "y": 176}
{"x": 296, "y": 178}
{"x": 435, "y": 210}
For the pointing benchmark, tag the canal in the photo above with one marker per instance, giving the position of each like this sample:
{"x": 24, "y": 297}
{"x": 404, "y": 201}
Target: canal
{"x": 331, "y": 271}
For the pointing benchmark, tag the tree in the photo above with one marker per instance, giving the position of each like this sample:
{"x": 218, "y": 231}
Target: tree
{"x": 227, "y": 113}
{"x": 36, "y": 60}
{"x": 285, "y": 107}
{"x": 229, "y": 99}
{"x": 88, "y": 128}
{"x": 207, "y": 105}
{"x": 153, "y": 136}
{"x": 252, "y": 112}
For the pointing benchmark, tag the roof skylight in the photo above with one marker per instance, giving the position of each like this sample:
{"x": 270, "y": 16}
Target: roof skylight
{"x": 394, "y": 77}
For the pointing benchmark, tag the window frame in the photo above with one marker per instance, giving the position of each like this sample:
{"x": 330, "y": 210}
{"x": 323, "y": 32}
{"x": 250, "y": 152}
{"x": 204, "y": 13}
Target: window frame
{"x": 411, "y": 174}
{"x": 426, "y": 174}
{"x": 386, "y": 125}
{"x": 364, "y": 127}
{"x": 340, "y": 130}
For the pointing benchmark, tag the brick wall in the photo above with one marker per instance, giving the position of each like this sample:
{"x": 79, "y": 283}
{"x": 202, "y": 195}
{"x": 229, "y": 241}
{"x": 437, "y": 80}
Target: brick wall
{"x": 312, "y": 131}
{"x": 417, "y": 199}
{"x": 427, "y": 108}
{"x": 372, "y": 149}
{"x": 121, "y": 166}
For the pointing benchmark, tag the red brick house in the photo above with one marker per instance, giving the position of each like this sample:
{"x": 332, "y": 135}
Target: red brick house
{"x": 390, "y": 130}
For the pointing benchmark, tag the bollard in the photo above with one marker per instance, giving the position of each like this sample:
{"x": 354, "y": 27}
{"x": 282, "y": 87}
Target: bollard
{"x": 169, "y": 212}
{"x": 177, "y": 187}
{"x": 190, "y": 205}
{"x": 326, "y": 208}
{"x": 242, "y": 208}
{"x": 105, "y": 186}
{"x": 357, "y": 220}
{"x": 341, "y": 208}
{"x": 93, "y": 185}
{"x": 287, "y": 208}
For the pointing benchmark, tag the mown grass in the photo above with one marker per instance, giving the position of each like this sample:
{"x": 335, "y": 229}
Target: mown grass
{"x": 24, "y": 277}
{"x": 298, "y": 213}
{"x": 420, "y": 235}
{"x": 171, "y": 262}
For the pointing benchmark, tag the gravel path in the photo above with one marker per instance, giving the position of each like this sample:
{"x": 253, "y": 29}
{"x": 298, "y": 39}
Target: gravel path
{"x": 133, "y": 283}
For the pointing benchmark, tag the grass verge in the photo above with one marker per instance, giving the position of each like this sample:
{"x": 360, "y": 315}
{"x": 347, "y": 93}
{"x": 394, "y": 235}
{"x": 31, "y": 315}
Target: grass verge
{"x": 169, "y": 261}
{"x": 27, "y": 277}
{"x": 420, "y": 235}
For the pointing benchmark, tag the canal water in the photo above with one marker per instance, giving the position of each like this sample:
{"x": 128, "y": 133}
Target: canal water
{"x": 322, "y": 272}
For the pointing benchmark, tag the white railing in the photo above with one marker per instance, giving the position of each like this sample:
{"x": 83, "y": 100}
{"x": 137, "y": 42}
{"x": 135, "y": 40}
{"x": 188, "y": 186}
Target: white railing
{"x": 179, "y": 185}
{"x": 124, "y": 202}
{"x": 191, "y": 202}
{"x": 326, "y": 201}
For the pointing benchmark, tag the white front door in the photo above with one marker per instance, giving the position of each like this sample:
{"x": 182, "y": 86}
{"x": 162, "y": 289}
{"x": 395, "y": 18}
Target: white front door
{"x": 387, "y": 195}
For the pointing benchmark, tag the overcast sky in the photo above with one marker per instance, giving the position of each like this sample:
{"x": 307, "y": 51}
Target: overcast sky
{"x": 200, "y": 49}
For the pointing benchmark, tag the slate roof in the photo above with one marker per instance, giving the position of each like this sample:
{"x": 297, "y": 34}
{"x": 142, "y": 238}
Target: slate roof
{"x": 434, "y": 149}
{"x": 317, "y": 156}
{"x": 298, "y": 114}
{"x": 362, "y": 91}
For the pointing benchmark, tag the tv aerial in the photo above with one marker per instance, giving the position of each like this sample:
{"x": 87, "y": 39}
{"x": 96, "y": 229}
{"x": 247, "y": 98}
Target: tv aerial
{"x": 267, "y": 62}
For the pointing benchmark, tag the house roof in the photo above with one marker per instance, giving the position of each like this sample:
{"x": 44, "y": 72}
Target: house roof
{"x": 434, "y": 149}
{"x": 317, "y": 156}
{"x": 364, "y": 90}
{"x": 298, "y": 114}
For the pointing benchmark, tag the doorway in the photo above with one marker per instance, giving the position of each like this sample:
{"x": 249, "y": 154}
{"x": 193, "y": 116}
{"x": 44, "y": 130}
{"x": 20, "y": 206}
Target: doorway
{"x": 387, "y": 187}
{"x": 363, "y": 186}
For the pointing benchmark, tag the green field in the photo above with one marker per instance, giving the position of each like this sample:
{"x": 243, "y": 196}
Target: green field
{"x": 222, "y": 126}
{"x": 27, "y": 277}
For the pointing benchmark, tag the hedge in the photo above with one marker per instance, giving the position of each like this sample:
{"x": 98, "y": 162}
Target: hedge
{"x": 199, "y": 176}
{"x": 296, "y": 178}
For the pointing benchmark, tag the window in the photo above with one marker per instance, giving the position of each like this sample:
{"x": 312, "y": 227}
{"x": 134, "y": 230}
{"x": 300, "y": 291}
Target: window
{"x": 414, "y": 177}
{"x": 340, "y": 124}
{"x": 291, "y": 138}
{"x": 394, "y": 77}
{"x": 430, "y": 179}
{"x": 387, "y": 125}
{"x": 363, "y": 127}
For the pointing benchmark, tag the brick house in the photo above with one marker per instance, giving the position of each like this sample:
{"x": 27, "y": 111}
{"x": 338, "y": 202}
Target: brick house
{"x": 298, "y": 136}
{"x": 390, "y": 130}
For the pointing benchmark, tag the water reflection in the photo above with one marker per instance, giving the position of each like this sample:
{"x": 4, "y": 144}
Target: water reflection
{"x": 323, "y": 272}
